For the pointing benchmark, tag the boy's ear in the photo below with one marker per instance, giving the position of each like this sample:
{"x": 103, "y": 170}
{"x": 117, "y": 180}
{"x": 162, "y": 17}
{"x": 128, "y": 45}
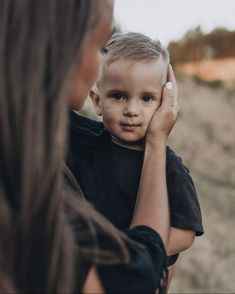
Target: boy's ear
{"x": 95, "y": 97}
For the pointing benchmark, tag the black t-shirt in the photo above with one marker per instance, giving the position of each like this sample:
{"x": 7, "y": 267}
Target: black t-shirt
{"x": 109, "y": 177}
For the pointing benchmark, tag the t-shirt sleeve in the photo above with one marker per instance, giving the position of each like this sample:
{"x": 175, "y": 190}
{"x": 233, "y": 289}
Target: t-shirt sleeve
{"x": 184, "y": 206}
{"x": 146, "y": 268}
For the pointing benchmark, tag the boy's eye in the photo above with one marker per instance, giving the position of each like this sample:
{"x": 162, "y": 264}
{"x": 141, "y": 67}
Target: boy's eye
{"x": 118, "y": 96}
{"x": 147, "y": 98}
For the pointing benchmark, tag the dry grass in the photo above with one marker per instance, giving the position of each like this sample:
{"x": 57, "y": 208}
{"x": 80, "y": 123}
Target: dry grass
{"x": 205, "y": 138}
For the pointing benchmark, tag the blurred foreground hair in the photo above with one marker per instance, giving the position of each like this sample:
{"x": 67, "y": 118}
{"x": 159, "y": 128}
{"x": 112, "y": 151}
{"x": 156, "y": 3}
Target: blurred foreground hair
{"x": 40, "y": 45}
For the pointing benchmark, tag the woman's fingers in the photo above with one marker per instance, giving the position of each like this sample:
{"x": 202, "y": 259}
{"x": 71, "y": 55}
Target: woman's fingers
{"x": 171, "y": 78}
{"x": 170, "y": 102}
{"x": 171, "y": 75}
{"x": 166, "y": 115}
{"x": 170, "y": 92}
{"x": 169, "y": 86}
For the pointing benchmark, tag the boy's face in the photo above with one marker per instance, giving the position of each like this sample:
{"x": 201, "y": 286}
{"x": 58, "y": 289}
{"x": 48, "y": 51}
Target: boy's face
{"x": 129, "y": 94}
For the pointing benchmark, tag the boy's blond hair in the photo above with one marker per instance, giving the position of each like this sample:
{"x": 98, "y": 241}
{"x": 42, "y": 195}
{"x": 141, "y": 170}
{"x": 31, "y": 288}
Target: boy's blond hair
{"x": 134, "y": 47}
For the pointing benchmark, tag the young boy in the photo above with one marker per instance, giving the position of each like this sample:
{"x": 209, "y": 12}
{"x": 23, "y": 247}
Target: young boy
{"x": 109, "y": 155}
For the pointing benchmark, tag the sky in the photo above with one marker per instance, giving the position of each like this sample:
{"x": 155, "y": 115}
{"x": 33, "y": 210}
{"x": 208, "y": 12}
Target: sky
{"x": 169, "y": 20}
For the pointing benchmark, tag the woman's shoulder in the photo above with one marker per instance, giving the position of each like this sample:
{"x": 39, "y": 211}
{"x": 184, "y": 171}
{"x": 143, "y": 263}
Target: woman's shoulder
{"x": 79, "y": 123}
{"x": 84, "y": 131}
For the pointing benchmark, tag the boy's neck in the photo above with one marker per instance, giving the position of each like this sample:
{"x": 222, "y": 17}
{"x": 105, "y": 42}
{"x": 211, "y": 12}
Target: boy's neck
{"x": 139, "y": 145}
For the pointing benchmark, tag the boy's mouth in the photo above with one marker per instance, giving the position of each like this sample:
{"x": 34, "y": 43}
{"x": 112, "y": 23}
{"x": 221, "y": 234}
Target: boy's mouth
{"x": 129, "y": 127}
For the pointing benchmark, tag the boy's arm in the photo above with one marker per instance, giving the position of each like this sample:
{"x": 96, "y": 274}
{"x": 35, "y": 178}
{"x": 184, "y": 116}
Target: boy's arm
{"x": 179, "y": 240}
{"x": 171, "y": 272}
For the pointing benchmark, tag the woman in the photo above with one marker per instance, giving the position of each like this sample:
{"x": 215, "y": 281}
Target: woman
{"x": 50, "y": 239}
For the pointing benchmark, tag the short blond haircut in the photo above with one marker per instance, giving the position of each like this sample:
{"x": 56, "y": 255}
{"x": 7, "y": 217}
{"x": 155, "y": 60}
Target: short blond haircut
{"x": 134, "y": 47}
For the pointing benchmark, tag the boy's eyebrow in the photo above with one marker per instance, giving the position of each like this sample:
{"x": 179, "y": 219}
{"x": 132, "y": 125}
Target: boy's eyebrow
{"x": 151, "y": 93}
{"x": 114, "y": 91}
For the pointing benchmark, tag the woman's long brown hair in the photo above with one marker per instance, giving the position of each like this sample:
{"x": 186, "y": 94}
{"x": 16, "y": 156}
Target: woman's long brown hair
{"x": 41, "y": 219}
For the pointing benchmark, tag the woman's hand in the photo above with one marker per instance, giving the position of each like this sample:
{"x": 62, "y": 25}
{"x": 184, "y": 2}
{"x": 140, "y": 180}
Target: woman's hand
{"x": 166, "y": 115}
{"x": 152, "y": 208}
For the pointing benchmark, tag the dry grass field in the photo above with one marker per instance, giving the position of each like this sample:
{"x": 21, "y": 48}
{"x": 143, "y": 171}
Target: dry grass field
{"x": 205, "y": 138}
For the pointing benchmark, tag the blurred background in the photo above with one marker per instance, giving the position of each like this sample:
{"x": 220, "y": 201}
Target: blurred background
{"x": 200, "y": 36}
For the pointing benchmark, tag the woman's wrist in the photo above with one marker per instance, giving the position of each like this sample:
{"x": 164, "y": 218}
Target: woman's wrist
{"x": 155, "y": 151}
{"x": 156, "y": 141}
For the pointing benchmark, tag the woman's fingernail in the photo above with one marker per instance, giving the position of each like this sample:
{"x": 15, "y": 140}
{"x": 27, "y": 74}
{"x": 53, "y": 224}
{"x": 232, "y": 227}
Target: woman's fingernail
{"x": 169, "y": 86}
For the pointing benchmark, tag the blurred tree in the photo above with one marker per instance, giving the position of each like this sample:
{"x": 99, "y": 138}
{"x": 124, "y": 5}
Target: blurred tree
{"x": 195, "y": 45}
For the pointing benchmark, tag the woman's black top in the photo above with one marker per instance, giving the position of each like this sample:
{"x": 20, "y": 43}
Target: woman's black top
{"x": 146, "y": 269}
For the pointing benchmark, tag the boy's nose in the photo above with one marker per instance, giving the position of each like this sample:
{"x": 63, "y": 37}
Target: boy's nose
{"x": 131, "y": 109}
